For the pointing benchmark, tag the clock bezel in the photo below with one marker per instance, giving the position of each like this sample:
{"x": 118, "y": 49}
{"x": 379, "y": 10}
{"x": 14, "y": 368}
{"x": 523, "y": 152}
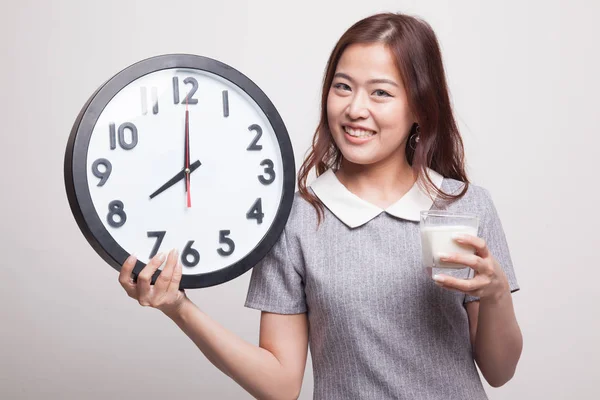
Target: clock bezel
{"x": 75, "y": 166}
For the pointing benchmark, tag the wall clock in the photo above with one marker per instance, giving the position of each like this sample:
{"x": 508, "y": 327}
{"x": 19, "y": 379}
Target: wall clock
{"x": 181, "y": 151}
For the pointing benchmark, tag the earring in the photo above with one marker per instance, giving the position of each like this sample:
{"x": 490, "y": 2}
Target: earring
{"x": 414, "y": 138}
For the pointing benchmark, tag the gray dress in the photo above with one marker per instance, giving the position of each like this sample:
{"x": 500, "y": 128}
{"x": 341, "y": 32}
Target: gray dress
{"x": 379, "y": 328}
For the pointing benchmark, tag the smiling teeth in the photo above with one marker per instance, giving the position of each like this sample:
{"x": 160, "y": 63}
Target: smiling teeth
{"x": 358, "y": 132}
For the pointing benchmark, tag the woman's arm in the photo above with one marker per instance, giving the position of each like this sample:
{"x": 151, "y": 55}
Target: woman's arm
{"x": 272, "y": 370}
{"x": 495, "y": 334}
{"x": 496, "y": 337}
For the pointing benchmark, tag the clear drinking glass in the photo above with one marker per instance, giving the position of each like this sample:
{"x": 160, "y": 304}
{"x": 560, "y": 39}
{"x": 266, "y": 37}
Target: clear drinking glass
{"x": 437, "y": 230}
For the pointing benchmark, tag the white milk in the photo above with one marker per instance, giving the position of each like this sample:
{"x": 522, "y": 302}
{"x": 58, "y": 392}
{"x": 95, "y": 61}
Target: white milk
{"x": 438, "y": 239}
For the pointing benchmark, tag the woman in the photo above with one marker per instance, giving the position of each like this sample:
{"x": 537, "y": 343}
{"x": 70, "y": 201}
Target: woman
{"x": 345, "y": 275}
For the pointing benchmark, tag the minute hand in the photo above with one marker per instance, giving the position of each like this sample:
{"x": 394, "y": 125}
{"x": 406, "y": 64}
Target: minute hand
{"x": 180, "y": 175}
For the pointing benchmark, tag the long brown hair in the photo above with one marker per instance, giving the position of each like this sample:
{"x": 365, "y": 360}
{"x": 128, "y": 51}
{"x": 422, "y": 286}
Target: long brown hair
{"x": 418, "y": 58}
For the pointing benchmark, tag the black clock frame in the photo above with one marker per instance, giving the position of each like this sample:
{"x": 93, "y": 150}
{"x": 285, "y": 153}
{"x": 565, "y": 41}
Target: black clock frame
{"x": 75, "y": 166}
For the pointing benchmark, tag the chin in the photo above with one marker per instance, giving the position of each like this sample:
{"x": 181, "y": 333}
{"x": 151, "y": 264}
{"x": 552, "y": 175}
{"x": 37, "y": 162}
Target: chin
{"x": 369, "y": 155}
{"x": 359, "y": 157}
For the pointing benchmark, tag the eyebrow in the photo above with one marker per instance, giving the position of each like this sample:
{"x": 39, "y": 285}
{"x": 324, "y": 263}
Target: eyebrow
{"x": 381, "y": 80}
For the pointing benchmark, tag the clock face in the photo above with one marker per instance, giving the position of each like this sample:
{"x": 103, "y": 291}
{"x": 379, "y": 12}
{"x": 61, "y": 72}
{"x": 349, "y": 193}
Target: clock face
{"x": 182, "y": 157}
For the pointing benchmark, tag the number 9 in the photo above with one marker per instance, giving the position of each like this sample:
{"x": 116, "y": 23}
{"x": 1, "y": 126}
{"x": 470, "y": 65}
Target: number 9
{"x": 99, "y": 174}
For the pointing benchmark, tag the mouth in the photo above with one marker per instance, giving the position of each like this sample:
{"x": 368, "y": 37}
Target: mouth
{"x": 358, "y": 132}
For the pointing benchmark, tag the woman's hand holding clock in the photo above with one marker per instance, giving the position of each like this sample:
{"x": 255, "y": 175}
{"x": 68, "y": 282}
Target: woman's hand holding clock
{"x": 164, "y": 295}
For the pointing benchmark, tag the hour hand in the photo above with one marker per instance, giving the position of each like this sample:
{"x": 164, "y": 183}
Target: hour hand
{"x": 179, "y": 176}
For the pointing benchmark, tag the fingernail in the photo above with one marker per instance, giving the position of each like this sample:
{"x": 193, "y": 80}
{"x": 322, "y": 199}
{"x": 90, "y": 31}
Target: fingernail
{"x": 161, "y": 257}
{"x": 444, "y": 256}
{"x": 130, "y": 259}
{"x": 438, "y": 278}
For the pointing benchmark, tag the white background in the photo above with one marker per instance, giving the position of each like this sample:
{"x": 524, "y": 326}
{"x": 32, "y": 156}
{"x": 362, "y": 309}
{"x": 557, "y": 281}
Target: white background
{"x": 524, "y": 84}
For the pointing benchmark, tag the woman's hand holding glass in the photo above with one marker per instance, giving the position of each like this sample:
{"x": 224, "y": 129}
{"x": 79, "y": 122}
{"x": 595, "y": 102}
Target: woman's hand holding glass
{"x": 489, "y": 280}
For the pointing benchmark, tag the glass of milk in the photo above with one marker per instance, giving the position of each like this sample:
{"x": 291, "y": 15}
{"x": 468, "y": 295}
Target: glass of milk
{"x": 437, "y": 230}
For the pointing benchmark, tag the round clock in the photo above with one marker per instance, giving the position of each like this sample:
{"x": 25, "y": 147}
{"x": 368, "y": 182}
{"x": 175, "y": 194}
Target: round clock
{"x": 181, "y": 151}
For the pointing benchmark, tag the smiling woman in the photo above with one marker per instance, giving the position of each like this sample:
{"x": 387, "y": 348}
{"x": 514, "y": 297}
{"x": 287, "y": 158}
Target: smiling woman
{"x": 387, "y": 147}
{"x": 368, "y": 84}
{"x": 388, "y": 66}
{"x": 345, "y": 276}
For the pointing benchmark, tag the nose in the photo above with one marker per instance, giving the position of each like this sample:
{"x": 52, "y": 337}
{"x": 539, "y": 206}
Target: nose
{"x": 358, "y": 107}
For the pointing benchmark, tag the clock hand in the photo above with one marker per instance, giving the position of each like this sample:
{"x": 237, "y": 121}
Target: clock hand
{"x": 186, "y": 165}
{"x": 180, "y": 175}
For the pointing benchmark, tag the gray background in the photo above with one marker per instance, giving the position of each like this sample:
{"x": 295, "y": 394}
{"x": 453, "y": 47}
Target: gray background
{"x": 524, "y": 83}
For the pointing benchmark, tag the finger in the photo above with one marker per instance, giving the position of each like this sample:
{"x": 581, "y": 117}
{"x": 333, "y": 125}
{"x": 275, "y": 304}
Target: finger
{"x": 176, "y": 279}
{"x": 462, "y": 285}
{"x": 145, "y": 278}
{"x": 164, "y": 279}
{"x": 125, "y": 277}
{"x": 470, "y": 260}
{"x": 477, "y": 242}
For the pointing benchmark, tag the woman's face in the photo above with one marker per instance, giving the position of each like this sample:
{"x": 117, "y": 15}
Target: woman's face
{"x": 367, "y": 108}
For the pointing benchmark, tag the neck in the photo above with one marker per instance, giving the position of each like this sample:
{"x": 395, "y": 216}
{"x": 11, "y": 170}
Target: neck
{"x": 381, "y": 184}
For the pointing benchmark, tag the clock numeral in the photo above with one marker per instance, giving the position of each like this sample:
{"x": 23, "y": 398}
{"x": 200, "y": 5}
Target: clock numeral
{"x": 175, "y": 90}
{"x": 103, "y": 175}
{"x": 113, "y": 137}
{"x": 225, "y": 103}
{"x": 115, "y": 208}
{"x": 225, "y": 240}
{"x": 268, "y": 164}
{"x": 254, "y": 145}
{"x": 188, "y": 251}
{"x": 144, "y": 95}
{"x": 189, "y": 98}
{"x": 256, "y": 211}
{"x": 159, "y": 235}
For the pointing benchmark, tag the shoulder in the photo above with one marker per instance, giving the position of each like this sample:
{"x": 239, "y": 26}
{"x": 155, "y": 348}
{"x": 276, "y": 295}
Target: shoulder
{"x": 477, "y": 198}
{"x": 300, "y": 226}
{"x": 453, "y": 186}
{"x": 302, "y": 216}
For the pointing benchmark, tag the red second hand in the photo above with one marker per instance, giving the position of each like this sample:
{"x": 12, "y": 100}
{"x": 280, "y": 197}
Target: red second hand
{"x": 189, "y": 196}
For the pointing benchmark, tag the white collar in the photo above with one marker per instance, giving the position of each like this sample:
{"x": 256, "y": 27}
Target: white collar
{"x": 354, "y": 211}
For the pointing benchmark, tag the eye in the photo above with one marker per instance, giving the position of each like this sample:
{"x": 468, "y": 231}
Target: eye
{"x": 341, "y": 86}
{"x": 382, "y": 93}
